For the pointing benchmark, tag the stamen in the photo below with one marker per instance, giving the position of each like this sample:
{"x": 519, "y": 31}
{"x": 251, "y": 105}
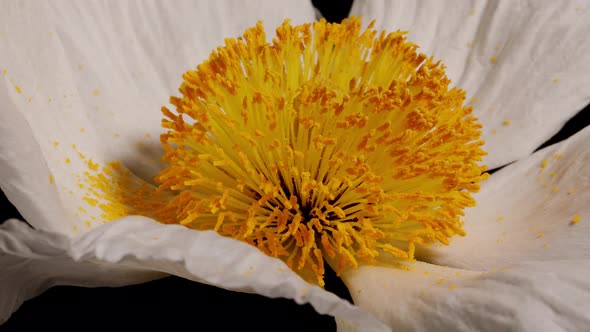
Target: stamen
{"x": 330, "y": 144}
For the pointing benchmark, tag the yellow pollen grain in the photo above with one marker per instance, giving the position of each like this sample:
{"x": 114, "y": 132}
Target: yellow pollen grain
{"x": 500, "y": 218}
{"x": 473, "y": 100}
{"x": 493, "y": 59}
{"x": 506, "y": 122}
{"x": 473, "y": 11}
{"x": 457, "y": 274}
{"x": 555, "y": 80}
{"x": 554, "y": 190}
{"x": 570, "y": 192}
{"x": 552, "y": 174}
{"x": 91, "y": 201}
{"x": 558, "y": 155}
{"x": 51, "y": 179}
{"x": 55, "y": 143}
{"x": 544, "y": 163}
{"x": 469, "y": 44}
{"x": 441, "y": 280}
{"x": 426, "y": 273}
{"x": 269, "y": 145}
{"x": 155, "y": 238}
{"x": 96, "y": 92}
{"x": 29, "y": 100}
{"x": 545, "y": 244}
{"x": 117, "y": 135}
{"x": 541, "y": 234}
{"x": 88, "y": 223}
{"x": 576, "y": 219}
{"x": 18, "y": 89}
{"x": 75, "y": 228}
{"x": 3, "y": 71}
{"x": 92, "y": 165}
{"x": 82, "y": 130}
{"x": 452, "y": 287}
{"x": 67, "y": 160}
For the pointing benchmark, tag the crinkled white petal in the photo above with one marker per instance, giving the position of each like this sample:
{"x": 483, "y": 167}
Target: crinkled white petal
{"x": 532, "y": 296}
{"x": 537, "y": 208}
{"x": 124, "y": 251}
{"x": 526, "y": 62}
{"x": 91, "y": 77}
{"x": 33, "y": 261}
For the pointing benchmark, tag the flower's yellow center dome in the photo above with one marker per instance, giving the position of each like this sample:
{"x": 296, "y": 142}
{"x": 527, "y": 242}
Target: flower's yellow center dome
{"x": 328, "y": 144}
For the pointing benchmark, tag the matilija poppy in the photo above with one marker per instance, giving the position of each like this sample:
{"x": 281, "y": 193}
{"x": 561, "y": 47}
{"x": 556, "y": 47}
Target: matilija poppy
{"x": 81, "y": 84}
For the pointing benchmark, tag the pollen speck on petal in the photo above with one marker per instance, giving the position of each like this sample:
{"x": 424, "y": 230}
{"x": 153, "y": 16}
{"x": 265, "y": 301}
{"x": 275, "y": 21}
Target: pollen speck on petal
{"x": 576, "y": 219}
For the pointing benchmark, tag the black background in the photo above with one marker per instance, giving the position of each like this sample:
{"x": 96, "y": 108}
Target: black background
{"x": 174, "y": 303}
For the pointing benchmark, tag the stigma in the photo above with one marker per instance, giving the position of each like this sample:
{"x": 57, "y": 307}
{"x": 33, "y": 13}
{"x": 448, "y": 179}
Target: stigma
{"x": 331, "y": 144}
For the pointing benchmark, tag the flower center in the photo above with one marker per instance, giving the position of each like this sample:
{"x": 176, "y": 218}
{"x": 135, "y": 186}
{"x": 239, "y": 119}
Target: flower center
{"x": 330, "y": 144}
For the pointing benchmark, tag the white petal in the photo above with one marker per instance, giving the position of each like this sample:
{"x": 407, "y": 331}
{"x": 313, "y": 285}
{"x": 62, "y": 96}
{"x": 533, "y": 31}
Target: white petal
{"x": 96, "y": 74}
{"x": 537, "y": 208}
{"x": 27, "y": 183}
{"x": 525, "y": 62}
{"x": 534, "y": 296}
{"x": 117, "y": 253}
{"x": 33, "y": 261}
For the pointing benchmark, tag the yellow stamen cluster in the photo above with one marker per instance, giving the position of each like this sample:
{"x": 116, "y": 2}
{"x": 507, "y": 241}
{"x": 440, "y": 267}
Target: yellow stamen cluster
{"x": 330, "y": 143}
{"x": 118, "y": 193}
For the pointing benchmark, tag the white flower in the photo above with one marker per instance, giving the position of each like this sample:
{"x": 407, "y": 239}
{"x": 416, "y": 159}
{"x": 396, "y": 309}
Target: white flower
{"x": 86, "y": 78}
